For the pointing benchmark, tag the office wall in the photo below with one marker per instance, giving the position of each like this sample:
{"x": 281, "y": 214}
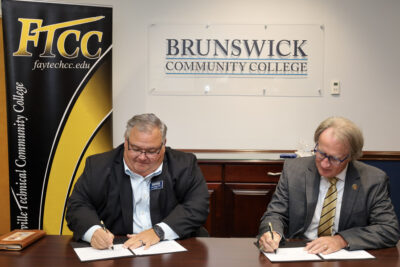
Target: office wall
{"x": 361, "y": 51}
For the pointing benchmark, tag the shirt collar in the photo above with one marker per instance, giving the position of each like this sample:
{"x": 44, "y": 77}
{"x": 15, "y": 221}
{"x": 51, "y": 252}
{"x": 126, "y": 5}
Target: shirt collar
{"x": 151, "y": 175}
{"x": 342, "y": 175}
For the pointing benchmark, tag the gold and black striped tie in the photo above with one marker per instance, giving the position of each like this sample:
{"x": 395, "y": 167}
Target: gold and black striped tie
{"x": 328, "y": 210}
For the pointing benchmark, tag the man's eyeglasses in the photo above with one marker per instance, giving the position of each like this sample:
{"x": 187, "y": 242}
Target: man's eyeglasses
{"x": 151, "y": 153}
{"x": 333, "y": 160}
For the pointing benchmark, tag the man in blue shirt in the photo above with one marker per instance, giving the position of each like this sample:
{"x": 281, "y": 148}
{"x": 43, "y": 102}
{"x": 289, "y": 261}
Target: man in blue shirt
{"x": 141, "y": 189}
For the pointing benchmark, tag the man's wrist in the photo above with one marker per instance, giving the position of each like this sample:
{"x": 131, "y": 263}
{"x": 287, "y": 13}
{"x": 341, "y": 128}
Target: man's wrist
{"x": 342, "y": 241}
{"x": 87, "y": 236}
{"x": 159, "y": 232}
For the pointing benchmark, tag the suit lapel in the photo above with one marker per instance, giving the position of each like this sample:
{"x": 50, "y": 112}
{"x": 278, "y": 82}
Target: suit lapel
{"x": 155, "y": 212}
{"x": 157, "y": 187}
{"x": 126, "y": 195}
{"x": 312, "y": 191}
{"x": 350, "y": 193}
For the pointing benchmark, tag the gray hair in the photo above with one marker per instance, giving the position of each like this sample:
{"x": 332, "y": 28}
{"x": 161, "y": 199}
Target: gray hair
{"x": 346, "y": 131}
{"x": 145, "y": 123}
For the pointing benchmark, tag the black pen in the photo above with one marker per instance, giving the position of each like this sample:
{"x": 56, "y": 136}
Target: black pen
{"x": 105, "y": 229}
{"x": 272, "y": 234}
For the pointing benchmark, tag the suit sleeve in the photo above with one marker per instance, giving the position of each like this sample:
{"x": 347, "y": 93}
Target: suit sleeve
{"x": 81, "y": 214}
{"x": 193, "y": 201}
{"x": 382, "y": 229}
{"x": 278, "y": 209}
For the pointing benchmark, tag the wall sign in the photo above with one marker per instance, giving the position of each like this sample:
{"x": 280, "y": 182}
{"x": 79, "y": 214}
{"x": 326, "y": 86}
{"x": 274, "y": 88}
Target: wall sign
{"x": 260, "y": 60}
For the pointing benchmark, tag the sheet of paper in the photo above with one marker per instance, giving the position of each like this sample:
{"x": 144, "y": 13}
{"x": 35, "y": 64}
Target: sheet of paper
{"x": 291, "y": 254}
{"x": 167, "y": 246}
{"x": 348, "y": 255}
{"x": 90, "y": 254}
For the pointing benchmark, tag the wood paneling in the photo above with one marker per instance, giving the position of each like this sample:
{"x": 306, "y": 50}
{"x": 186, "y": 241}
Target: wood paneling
{"x": 212, "y": 172}
{"x": 256, "y": 173}
{"x": 214, "y": 221}
{"x": 245, "y": 204}
{"x": 239, "y": 195}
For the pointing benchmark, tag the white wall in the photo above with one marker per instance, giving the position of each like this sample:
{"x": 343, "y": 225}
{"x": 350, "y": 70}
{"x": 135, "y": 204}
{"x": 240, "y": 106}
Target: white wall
{"x": 361, "y": 50}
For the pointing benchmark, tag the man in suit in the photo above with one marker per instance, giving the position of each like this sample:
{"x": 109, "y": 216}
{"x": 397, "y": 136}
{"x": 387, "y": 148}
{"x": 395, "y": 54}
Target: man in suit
{"x": 141, "y": 189}
{"x": 358, "y": 213}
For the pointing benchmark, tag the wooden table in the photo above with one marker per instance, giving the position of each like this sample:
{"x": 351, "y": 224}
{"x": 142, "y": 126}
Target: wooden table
{"x": 55, "y": 251}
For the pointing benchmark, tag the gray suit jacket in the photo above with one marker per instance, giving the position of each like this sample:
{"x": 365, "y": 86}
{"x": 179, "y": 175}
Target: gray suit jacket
{"x": 367, "y": 218}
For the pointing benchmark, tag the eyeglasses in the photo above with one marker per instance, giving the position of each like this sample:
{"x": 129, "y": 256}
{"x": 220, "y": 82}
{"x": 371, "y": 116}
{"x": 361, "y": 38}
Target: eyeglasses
{"x": 333, "y": 160}
{"x": 151, "y": 153}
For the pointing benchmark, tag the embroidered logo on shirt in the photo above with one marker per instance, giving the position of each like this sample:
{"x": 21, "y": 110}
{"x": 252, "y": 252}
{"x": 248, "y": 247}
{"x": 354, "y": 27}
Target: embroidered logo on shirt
{"x": 156, "y": 185}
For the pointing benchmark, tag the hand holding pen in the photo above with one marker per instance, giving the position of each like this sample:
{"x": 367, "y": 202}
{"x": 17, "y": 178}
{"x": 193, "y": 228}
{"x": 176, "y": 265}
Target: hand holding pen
{"x": 106, "y": 230}
{"x": 269, "y": 241}
{"x": 272, "y": 234}
{"x": 102, "y": 238}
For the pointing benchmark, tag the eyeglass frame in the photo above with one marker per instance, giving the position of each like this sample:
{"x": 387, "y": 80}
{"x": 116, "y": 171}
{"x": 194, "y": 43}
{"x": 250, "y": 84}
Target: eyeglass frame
{"x": 148, "y": 154}
{"x": 336, "y": 161}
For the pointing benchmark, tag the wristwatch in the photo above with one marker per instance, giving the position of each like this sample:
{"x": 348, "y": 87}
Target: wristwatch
{"x": 159, "y": 232}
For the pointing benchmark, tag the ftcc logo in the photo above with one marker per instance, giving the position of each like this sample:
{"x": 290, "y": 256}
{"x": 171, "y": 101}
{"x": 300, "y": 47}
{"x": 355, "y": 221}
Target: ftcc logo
{"x": 82, "y": 40}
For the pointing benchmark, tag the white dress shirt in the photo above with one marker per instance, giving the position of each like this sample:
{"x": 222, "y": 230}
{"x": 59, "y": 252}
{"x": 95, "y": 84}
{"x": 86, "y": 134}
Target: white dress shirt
{"x": 312, "y": 231}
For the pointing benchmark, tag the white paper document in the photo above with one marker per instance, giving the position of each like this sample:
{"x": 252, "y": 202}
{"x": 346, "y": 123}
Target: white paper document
{"x": 291, "y": 254}
{"x": 299, "y": 254}
{"x": 348, "y": 255}
{"x": 160, "y": 248}
{"x": 91, "y": 254}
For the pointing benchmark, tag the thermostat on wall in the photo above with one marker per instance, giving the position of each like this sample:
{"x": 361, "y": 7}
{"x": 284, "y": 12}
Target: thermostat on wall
{"x": 335, "y": 87}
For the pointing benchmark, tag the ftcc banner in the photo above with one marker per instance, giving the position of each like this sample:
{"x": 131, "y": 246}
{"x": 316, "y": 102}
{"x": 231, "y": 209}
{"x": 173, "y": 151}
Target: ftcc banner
{"x": 59, "y": 103}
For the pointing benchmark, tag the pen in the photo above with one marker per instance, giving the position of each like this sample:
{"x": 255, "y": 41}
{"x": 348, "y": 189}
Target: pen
{"x": 105, "y": 229}
{"x": 272, "y": 234}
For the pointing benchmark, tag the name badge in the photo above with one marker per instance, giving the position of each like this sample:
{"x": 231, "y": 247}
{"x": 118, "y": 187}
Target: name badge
{"x": 156, "y": 185}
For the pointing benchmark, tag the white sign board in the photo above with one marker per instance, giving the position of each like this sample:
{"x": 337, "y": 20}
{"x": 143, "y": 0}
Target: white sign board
{"x": 261, "y": 60}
